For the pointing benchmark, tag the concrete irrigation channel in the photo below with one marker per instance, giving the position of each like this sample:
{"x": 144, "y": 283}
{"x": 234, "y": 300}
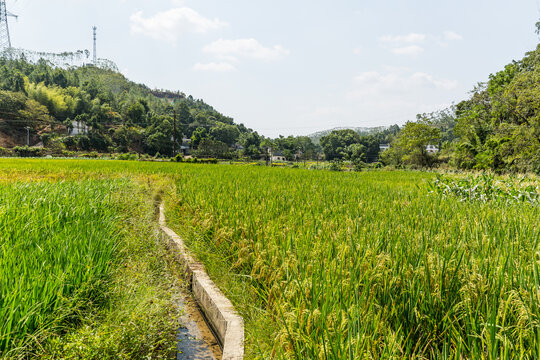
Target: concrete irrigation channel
{"x": 217, "y": 311}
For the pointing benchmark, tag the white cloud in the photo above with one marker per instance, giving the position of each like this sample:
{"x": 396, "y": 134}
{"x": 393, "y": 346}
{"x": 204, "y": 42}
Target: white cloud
{"x": 450, "y": 35}
{"x": 422, "y": 78}
{"x": 408, "y": 50}
{"x": 245, "y": 48}
{"x": 396, "y": 94}
{"x": 399, "y": 81}
{"x": 404, "y": 44}
{"x": 403, "y": 39}
{"x": 409, "y": 44}
{"x": 215, "y": 67}
{"x": 171, "y": 24}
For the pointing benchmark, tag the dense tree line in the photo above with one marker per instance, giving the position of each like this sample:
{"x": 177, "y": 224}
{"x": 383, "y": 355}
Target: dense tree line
{"x": 350, "y": 145}
{"x": 121, "y": 116}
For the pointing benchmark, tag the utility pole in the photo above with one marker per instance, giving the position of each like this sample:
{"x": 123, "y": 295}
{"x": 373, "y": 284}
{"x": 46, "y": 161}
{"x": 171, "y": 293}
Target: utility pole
{"x": 27, "y": 136}
{"x": 174, "y": 133}
{"x": 5, "y": 40}
{"x": 95, "y": 45}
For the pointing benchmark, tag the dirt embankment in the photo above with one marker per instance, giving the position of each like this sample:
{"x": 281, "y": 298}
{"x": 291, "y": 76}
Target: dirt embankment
{"x": 9, "y": 140}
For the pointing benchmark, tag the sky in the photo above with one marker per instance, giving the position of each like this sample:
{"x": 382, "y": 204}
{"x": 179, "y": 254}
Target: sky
{"x": 298, "y": 66}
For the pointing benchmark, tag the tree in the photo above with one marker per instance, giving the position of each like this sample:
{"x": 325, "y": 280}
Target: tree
{"x": 11, "y": 103}
{"x": 371, "y": 146}
{"x": 158, "y": 136}
{"x": 251, "y": 142}
{"x": 499, "y": 126}
{"x": 335, "y": 143}
{"x": 184, "y": 115}
{"x": 129, "y": 138}
{"x": 356, "y": 153}
{"x": 227, "y": 134}
{"x": 17, "y": 82}
{"x": 413, "y": 140}
{"x": 198, "y": 135}
{"x": 213, "y": 148}
{"x": 136, "y": 114}
{"x": 444, "y": 120}
{"x": 35, "y": 113}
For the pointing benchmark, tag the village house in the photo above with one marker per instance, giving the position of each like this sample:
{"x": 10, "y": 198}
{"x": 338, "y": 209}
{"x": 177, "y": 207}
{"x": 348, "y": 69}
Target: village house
{"x": 277, "y": 156}
{"x": 432, "y": 149}
{"x": 185, "y": 148}
{"x": 78, "y": 128}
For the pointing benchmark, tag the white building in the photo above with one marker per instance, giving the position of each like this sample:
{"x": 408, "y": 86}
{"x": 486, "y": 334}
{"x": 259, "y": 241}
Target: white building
{"x": 78, "y": 128}
{"x": 432, "y": 149}
{"x": 278, "y": 156}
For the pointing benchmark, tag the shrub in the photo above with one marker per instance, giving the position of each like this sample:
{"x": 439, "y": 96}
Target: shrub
{"x": 55, "y": 145}
{"x": 200, "y": 161}
{"x": 67, "y": 153}
{"x": 5, "y": 152}
{"x": 359, "y": 166}
{"x": 127, "y": 156}
{"x": 335, "y": 166}
{"x": 27, "y": 151}
{"x": 91, "y": 155}
{"x": 178, "y": 158}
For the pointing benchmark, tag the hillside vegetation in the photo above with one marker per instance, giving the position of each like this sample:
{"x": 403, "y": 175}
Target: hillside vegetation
{"x": 121, "y": 116}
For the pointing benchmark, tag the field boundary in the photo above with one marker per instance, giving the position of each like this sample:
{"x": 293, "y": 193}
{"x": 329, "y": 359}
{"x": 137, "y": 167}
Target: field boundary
{"x": 225, "y": 321}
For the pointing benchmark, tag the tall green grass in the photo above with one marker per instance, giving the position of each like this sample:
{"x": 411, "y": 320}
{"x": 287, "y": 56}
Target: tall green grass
{"x": 57, "y": 245}
{"x": 369, "y": 265}
{"x": 355, "y": 265}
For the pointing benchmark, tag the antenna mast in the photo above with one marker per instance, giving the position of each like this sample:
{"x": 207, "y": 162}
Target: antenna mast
{"x": 5, "y": 40}
{"x": 95, "y": 46}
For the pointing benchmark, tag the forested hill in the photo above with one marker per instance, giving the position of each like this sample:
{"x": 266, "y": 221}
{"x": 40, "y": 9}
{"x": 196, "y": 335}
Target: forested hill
{"x": 117, "y": 115}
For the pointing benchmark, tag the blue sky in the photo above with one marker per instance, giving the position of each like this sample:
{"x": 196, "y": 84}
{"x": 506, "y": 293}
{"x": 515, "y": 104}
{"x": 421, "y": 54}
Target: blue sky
{"x": 297, "y": 66}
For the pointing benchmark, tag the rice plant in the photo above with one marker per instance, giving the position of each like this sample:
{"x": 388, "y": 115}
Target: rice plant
{"x": 381, "y": 265}
{"x": 57, "y": 244}
{"x": 370, "y": 265}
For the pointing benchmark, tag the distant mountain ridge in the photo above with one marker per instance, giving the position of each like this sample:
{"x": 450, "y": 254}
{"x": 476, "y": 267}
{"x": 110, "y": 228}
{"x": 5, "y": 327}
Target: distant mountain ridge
{"x": 362, "y": 131}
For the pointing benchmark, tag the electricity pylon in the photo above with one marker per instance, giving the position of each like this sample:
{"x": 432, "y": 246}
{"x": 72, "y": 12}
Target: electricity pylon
{"x": 95, "y": 44}
{"x": 5, "y": 41}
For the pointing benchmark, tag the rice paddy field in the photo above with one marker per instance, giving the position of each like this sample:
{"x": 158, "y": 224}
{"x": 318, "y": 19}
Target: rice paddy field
{"x": 79, "y": 278}
{"x": 332, "y": 265}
